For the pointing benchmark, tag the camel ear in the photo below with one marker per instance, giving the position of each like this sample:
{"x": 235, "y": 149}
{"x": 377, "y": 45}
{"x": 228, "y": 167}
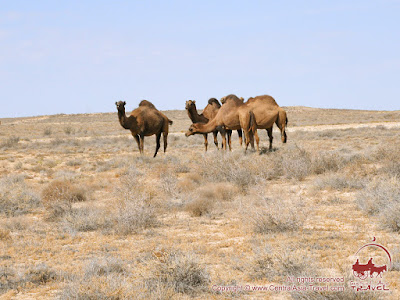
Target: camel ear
{"x": 194, "y": 102}
{"x": 116, "y": 103}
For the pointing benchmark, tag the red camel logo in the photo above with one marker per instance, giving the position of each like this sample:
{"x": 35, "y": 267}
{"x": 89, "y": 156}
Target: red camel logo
{"x": 362, "y": 271}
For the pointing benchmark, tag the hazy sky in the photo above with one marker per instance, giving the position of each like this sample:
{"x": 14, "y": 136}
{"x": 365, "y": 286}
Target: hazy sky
{"x": 82, "y": 56}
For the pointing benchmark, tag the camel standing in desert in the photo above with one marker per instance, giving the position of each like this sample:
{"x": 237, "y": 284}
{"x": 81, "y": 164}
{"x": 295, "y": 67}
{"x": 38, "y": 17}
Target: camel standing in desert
{"x": 259, "y": 105}
{"x": 209, "y": 112}
{"x": 144, "y": 121}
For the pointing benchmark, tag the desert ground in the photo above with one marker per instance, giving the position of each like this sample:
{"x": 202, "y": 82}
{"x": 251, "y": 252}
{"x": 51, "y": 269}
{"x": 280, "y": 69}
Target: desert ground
{"x": 84, "y": 216}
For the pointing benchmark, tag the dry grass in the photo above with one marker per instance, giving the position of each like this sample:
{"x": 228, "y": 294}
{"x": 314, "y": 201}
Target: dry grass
{"x": 179, "y": 271}
{"x": 106, "y": 211}
{"x": 15, "y": 196}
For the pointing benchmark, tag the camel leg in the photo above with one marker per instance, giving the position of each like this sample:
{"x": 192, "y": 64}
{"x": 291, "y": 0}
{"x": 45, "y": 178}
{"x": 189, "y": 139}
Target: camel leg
{"x": 223, "y": 134}
{"x": 205, "y": 140}
{"x": 158, "y": 137}
{"x": 215, "y": 133}
{"x": 257, "y": 141}
{"x": 137, "y": 140}
{"x": 240, "y": 137}
{"x": 165, "y": 138}
{"x": 248, "y": 137}
{"x": 269, "y": 130}
{"x": 229, "y": 133}
{"x": 141, "y": 149}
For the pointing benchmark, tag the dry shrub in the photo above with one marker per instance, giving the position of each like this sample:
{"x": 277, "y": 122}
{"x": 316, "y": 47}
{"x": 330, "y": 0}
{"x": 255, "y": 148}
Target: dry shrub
{"x": 199, "y": 206}
{"x": 40, "y": 274}
{"x": 381, "y": 197}
{"x": 338, "y": 182}
{"x": 296, "y": 164}
{"x": 104, "y": 278}
{"x": 271, "y": 215}
{"x": 15, "y": 197}
{"x": 134, "y": 215}
{"x": 11, "y": 278}
{"x": 280, "y": 264}
{"x": 10, "y": 142}
{"x": 63, "y": 190}
{"x": 58, "y": 197}
{"x": 179, "y": 271}
{"x": 4, "y": 234}
{"x": 87, "y": 219}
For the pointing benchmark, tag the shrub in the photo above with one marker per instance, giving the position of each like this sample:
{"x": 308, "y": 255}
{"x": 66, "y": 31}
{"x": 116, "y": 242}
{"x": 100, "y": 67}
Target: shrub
{"x": 104, "y": 278}
{"x": 181, "y": 272}
{"x": 296, "y": 164}
{"x": 4, "y": 234}
{"x": 58, "y": 197}
{"x": 382, "y": 198}
{"x": 283, "y": 263}
{"x": 338, "y": 182}
{"x": 133, "y": 216}
{"x": 269, "y": 215}
{"x": 199, "y": 206}
{"x": 86, "y": 219}
{"x": 10, "y": 142}
{"x": 63, "y": 190}
{"x": 15, "y": 197}
{"x": 47, "y": 131}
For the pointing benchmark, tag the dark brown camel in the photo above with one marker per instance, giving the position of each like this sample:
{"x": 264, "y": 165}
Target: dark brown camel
{"x": 144, "y": 121}
{"x": 209, "y": 112}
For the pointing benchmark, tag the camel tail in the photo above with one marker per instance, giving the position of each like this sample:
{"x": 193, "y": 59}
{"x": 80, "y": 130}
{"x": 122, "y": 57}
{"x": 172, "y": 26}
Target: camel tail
{"x": 252, "y": 123}
{"x": 170, "y": 122}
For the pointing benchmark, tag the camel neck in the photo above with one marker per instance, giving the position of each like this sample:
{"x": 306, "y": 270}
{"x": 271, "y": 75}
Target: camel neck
{"x": 193, "y": 115}
{"x": 123, "y": 120}
{"x": 207, "y": 127}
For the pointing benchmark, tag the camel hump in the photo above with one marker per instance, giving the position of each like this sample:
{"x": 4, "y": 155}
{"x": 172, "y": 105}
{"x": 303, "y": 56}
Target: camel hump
{"x": 146, "y": 103}
{"x": 212, "y": 101}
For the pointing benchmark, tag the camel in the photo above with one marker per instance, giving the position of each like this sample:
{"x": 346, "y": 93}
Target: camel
{"x": 260, "y": 105}
{"x": 233, "y": 115}
{"x": 144, "y": 121}
{"x": 209, "y": 112}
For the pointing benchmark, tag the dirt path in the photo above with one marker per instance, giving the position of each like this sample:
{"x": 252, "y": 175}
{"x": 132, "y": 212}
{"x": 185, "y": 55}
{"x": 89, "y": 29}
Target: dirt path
{"x": 343, "y": 126}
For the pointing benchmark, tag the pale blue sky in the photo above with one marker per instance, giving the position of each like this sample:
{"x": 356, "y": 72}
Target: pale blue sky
{"x": 82, "y": 56}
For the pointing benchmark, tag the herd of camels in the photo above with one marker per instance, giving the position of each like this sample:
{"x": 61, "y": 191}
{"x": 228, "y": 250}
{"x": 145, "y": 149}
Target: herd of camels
{"x": 260, "y": 112}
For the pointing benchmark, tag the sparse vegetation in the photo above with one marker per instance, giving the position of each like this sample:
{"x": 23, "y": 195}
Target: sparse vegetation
{"x": 84, "y": 216}
{"x": 15, "y": 197}
{"x": 180, "y": 271}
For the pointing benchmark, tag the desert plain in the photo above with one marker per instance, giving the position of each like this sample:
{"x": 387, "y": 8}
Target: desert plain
{"x": 84, "y": 216}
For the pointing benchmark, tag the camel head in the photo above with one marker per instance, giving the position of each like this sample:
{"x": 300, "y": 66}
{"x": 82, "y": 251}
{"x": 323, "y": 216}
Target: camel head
{"x": 241, "y": 98}
{"x": 190, "y": 104}
{"x": 120, "y": 105}
{"x": 223, "y": 100}
{"x": 192, "y": 130}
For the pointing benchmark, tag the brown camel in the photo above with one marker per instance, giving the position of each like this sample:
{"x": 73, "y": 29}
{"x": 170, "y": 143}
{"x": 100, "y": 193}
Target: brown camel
{"x": 264, "y": 107}
{"x": 233, "y": 115}
{"x": 209, "y": 112}
{"x": 144, "y": 121}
